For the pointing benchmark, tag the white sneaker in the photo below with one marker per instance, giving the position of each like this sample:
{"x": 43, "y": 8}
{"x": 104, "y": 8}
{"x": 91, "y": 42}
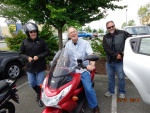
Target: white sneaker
{"x": 121, "y": 95}
{"x": 108, "y": 94}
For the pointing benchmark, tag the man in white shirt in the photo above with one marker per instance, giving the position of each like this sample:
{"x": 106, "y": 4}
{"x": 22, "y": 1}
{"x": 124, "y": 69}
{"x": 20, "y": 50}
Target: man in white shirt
{"x": 78, "y": 48}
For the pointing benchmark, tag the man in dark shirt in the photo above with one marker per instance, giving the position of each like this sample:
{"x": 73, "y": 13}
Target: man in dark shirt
{"x": 113, "y": 44}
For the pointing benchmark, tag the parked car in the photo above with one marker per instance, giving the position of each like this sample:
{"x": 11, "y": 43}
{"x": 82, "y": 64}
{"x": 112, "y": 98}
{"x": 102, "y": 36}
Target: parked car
{"x": 10, "y": 64}
{"x": 85, "y": 34}
{"x": 137, "y": 64}
{"x": 1, "y": 37}
{"x": 138, "y": 30}
{"x": 95, "y": 34}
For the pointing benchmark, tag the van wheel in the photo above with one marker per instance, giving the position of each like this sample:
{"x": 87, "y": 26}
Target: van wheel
{"x": 13, "y": 70}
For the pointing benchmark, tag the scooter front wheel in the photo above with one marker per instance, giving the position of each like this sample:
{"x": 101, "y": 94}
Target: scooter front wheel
{"x": 9, "y": 107}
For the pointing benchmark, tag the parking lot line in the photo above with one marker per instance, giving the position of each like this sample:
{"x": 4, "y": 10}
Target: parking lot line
{"x": 114, "y": 102}
{"x": 22, "y": 85}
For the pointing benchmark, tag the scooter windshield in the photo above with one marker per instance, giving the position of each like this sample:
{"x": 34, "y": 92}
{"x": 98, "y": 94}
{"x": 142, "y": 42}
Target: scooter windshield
{"x": 62, "y": 67}
{"x": 60, "y": 73}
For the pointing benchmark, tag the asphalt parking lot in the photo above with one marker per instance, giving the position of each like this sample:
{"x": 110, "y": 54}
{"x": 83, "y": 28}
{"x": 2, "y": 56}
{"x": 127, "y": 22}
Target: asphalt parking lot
{"x": 131, "y": 104}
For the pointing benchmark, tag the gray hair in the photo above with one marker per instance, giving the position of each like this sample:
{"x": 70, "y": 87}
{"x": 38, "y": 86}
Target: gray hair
{"x": 109, "y": 22}
{"x": 72, "y": 27}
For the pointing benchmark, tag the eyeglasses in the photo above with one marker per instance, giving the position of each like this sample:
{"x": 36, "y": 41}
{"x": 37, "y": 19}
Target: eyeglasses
{"x": 72, "y": 32}
{"x": 111, "y": 27}
{"x": 32, "y": 32}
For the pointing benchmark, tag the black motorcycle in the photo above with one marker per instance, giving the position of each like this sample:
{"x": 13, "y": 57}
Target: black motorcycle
{"x": 7, "y": 92}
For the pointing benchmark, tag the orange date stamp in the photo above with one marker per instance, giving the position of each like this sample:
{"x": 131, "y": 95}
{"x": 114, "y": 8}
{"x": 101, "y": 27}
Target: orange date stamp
{"x": 131, "y": 100}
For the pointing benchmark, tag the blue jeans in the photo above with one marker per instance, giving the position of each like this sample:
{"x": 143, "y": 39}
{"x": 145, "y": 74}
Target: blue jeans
{"x": 89, "y": 91}
{"x": 35, "y": 79}
{"x": 112, "y": 68}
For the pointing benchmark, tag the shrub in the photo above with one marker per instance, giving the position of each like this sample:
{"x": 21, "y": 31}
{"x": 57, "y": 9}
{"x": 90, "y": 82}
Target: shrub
{"x": 52, "y": 41}
{"x": 14, "y": 42}
{"x": 98, "y": 48}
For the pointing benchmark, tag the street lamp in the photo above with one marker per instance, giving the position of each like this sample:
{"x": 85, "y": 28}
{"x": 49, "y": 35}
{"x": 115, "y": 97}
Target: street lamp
{"x": 126, "y": 16}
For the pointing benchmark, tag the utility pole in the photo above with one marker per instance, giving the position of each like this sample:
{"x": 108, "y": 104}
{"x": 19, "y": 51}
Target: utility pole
{"x": 126, "y": 16}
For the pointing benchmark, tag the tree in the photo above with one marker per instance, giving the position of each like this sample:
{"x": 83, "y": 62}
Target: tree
{"x": 57, "y": 12}
{"x": 101, "y": 31}
{"x": 123, "y": 25}
{"x": 144, "y": 14}
{"x": 94, "y": 30}
{"x": 88, "y": 29}
{"x": 130, "y": 23}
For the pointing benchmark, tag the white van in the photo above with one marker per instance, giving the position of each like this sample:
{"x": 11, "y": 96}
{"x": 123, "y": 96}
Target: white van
{"x": 138, "y": 30}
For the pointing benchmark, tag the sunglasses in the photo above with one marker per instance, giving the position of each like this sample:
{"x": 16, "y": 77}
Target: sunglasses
{"x": 32, "y": 32}
{"x": 111, "y": 27}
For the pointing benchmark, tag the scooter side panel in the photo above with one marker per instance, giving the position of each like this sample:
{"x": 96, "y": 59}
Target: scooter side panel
{"x": 69, "y": 105}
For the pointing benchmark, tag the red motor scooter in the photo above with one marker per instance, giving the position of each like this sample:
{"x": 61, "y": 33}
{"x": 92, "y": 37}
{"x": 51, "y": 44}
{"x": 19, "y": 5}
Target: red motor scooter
{"x": 62, "y": 89}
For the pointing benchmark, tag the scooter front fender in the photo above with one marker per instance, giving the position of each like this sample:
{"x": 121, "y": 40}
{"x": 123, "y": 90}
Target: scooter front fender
{"x": 52, "y": 110}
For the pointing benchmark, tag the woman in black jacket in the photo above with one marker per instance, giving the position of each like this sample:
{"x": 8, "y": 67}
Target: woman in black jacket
{"x": 34, "y": 50}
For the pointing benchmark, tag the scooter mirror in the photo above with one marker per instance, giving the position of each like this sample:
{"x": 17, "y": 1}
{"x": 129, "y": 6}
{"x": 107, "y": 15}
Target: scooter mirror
{"x": 92, "y": 58}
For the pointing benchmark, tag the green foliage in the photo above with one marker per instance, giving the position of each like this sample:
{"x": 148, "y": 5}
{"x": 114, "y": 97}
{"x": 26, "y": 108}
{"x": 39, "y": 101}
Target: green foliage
{"x": 14, "y": 13}
{"x": 52, "y": 41}
{"x": 14, "y": 42}
{"x": 98, "y": 48}
{"x": 123, "y": 25}
{"x": 11, "y": 30}
{"x": 143, "y": 10}
{"x": 88, "y": 29}
{"x": 94, "y": 30}
{"x": 144, "y": 14}
{"x": 130, "y": 23}
{"x": 101, "y": 31}
{"x": 76, "y": 24}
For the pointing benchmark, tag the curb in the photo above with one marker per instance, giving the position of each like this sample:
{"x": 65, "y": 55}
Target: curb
{"x": 105, "y": 76}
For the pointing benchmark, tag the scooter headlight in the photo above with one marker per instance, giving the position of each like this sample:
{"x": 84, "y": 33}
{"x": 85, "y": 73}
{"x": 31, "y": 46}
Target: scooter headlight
{"x": 53, "y": 101}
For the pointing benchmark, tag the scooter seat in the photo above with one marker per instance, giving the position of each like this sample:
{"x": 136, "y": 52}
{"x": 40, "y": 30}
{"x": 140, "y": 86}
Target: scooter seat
{"x": 3, "y": 85}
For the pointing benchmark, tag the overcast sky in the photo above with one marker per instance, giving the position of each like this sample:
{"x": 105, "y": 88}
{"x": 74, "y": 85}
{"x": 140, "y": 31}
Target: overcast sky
{"x": 118, "y": 16}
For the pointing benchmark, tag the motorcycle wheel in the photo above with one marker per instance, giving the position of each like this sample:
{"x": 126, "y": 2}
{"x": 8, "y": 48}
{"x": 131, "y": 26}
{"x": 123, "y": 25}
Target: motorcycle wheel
{"x": 10, "y": 108}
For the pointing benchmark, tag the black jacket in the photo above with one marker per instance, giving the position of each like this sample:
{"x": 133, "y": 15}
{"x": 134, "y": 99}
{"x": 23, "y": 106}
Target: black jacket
{"x": 30, "y": 48}
{"x": 119, "y": 41}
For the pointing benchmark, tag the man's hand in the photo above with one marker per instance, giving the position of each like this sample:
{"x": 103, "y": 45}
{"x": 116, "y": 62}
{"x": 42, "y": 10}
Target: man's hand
{"x": 119, "y": 57}
{"x": 30, "y": 59}
{"x": 35, "y": 58}
{"x": 90, "y": 67}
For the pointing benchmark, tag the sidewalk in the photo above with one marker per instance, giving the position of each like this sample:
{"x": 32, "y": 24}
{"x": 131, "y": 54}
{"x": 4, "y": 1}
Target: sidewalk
{"x": 2, "y": 41}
